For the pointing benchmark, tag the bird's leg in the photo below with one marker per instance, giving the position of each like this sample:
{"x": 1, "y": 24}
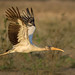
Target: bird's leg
{"x": 10, "y": 51}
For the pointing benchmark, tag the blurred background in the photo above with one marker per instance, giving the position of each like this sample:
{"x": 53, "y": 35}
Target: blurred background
{"x": 55, "y": 22}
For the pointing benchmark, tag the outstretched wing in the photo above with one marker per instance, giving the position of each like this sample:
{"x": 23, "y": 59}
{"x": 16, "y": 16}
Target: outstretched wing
{"x": 13, "y": 28}
{"x": 17, "y": 29}
{"x": 29, "y": 17}
{"x": 13, "y": 14}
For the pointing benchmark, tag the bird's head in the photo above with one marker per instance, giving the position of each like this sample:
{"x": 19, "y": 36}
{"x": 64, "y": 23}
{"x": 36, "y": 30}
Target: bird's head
{"x": 53, "y": 48}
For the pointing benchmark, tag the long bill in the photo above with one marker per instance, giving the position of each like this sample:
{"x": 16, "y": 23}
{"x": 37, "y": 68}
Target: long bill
{"x": 56, "y": 49}
{"x": 48, "y": 48}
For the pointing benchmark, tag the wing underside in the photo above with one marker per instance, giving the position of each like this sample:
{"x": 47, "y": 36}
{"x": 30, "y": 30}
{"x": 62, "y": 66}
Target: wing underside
{"x": 16, "y": 28}
{"x": 13, "y": 30}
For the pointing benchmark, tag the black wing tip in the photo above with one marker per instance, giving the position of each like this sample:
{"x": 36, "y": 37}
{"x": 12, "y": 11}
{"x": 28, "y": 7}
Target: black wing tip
{"x": 30, "y": 12}
{"x": 13, "y": 12}
{"x": 27, "y": 8}
{"x": 31, "y": 8}
{"x": 14, "y": 7}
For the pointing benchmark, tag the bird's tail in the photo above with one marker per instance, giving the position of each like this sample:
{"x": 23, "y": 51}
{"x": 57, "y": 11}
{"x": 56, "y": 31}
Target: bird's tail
{"x": 10, "y": 51}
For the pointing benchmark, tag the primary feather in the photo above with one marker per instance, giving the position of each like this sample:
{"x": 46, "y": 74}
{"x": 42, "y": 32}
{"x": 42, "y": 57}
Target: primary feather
{"x": 27, "y": 18}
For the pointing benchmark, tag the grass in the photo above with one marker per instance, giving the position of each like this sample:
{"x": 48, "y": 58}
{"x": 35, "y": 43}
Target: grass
{"x": 55, "y": 27}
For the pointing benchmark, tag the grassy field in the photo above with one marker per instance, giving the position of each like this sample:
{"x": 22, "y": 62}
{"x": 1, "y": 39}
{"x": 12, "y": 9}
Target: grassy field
{"x": 55, "y": 20}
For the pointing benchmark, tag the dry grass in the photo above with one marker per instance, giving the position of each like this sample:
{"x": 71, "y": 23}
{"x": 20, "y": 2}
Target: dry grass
{"x": 55, "y": 20}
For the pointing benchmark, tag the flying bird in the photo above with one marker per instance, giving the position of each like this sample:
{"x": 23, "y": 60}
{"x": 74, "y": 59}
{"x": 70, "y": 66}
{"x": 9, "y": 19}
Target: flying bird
{"x": 20, "y": 32}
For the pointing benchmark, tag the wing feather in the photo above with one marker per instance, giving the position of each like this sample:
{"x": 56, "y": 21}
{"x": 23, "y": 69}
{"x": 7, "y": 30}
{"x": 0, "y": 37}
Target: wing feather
{"x": 13, "y": 14}
{"x": 28, "y": 15}
{"x": 32, "y": 12}
{"x": 13, "y": 30}
{"x": 28, "y": 12}
{"x": 17, "y": 30}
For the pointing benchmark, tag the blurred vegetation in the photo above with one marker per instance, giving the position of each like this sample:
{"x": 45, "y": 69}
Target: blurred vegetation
{"x": 55, "y": 26}
{"x": 37, "y": 0}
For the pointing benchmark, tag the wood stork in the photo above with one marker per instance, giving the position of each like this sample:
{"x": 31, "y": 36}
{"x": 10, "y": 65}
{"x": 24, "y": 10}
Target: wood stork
{"x": 20, "y": 31}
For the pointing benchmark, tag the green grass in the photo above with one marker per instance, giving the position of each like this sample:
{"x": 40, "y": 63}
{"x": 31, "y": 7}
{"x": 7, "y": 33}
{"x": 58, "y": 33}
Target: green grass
{"x": 56, "y": 30}
{"x": 48, "y": 61}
